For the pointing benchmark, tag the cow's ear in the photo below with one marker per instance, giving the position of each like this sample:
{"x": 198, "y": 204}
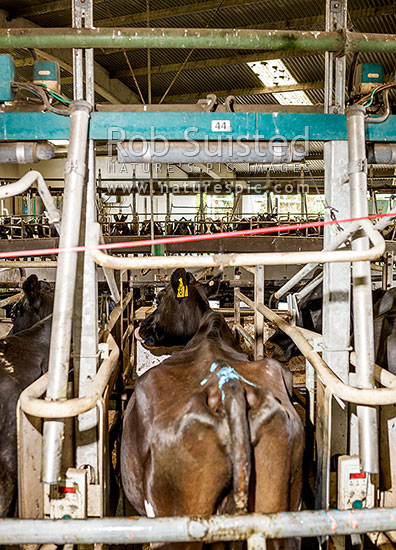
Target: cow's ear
{"x": 212, "y": 287}
{"x": 31, "y": 288}
{"x": 179, "y": 283}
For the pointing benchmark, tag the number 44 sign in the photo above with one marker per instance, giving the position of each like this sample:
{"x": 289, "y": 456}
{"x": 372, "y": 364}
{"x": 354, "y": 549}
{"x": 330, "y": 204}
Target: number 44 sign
{"x": 221, "y": 126}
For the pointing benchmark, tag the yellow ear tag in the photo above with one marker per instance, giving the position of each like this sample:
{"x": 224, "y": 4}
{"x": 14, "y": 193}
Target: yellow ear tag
{"x": 182, "y": 291}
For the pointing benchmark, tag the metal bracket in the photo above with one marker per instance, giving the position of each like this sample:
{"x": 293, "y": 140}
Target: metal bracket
{"x": 77, "y": 167}
{"x": 357, "y": 166}
{"x": 82, "y": 11}
{"x": 336, "y": 6}
{"x": 324, "y": 348}
{"x": 209, "y": 103}
{"x": 292, "y": 306}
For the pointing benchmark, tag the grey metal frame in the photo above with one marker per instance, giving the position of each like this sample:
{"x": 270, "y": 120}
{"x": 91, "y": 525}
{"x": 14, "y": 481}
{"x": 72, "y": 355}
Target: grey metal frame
{"x": 197, "y": 529}
{"x": 361, "y": 278}
{"x": 58, "y": 370}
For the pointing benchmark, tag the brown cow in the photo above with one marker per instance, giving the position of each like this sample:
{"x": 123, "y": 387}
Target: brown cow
{"x": 208, "y": 431}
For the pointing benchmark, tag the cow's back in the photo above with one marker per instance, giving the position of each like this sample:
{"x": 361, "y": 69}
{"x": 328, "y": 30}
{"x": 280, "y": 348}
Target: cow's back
{"x": 175, "y": 432}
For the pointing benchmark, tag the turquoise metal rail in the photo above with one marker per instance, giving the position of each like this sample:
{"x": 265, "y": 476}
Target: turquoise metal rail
{"x": 195, "y": 126}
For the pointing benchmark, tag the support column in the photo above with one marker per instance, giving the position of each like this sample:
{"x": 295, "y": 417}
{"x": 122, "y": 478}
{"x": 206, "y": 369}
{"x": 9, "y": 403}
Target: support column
{"x": 258, "y": 318}
{"x": 362, "y": 299}
{"x": 336, "y": 313}
{"x": 58, "y": 369}
{"x": 86, "y": 301}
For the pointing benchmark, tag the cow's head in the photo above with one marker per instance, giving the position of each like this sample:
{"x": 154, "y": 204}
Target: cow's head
{"x": 181, "y": 307}
{"x": 36, "y": 304}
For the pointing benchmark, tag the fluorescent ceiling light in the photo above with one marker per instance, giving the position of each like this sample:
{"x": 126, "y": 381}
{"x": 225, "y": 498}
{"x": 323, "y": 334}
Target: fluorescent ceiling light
{"x": 59, "y": 141}
{"x": 274, "y": 73}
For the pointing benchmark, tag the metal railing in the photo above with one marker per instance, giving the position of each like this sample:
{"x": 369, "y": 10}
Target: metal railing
{"x": 222, "y": 260}
{"x": 197, "y": 529}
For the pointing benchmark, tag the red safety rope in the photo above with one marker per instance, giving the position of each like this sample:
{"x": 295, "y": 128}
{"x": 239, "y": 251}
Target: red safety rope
{"x": 189, "y": 238}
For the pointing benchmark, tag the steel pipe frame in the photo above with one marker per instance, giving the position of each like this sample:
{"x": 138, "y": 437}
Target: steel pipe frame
{"x": 85, "y": 317}
{"x": 361, "y": 289}
{"x": 360, "y": 396}
{"x": 197, "y": 529}
{"x": 27, "y": 263}
{"x": 237, "y": 260}
{"x": 25, "y": 153}
{"x": 245, "y": 39}
{"x": 383, "y": 376}
{"x": 58, "y": 370}
{"x": 344, "y": 236}
{"x": 110, "y": 278}
{"x": 223, "y": 152}
{"x": 31, "y": 404}
{"x": 382, "y": 153}
{"x": 23, "y": 184}
{"x": 239, "y": 328}
{"x": 310, "y": 287}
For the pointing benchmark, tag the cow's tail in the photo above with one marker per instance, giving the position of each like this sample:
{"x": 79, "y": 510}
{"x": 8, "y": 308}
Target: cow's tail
{"x": 239, "y": 447}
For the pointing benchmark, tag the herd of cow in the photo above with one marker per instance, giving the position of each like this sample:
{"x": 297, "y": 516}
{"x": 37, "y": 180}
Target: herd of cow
{"x": 122, "y": 226}
{"x": 207, "y": 431}
{"x": 26, "y": 228}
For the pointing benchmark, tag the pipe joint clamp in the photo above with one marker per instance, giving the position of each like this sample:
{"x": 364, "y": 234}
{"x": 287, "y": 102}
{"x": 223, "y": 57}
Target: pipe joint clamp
{"x": 75, "y": 166}
{"x": 356, "y": 166}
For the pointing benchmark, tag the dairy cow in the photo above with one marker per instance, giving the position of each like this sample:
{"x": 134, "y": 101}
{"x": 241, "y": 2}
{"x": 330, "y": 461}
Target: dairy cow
{"x": 23, "y": 359}
{"x": 207, "y": 430}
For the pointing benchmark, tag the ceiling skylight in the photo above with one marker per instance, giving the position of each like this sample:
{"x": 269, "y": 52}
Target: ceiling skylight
{"x": 274, "y": 73}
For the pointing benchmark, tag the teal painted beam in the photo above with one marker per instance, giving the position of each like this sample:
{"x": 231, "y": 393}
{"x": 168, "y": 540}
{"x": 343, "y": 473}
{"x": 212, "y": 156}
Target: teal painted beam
{"x": 194, "y": 126}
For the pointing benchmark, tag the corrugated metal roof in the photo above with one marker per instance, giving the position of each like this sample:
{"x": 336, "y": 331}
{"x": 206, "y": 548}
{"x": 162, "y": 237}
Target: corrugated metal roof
{"x": 230, "y": 76}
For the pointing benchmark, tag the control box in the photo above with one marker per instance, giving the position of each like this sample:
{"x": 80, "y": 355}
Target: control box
{"x": 7, "y": 77}
{"x": 355, "y": 488}
{"x": 367, "y": 76}
{"x": 47, "y": 73}
{"x": 68, "y": 499}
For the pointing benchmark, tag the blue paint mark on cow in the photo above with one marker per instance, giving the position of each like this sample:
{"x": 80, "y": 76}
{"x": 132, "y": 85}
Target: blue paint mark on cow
{"x": 225, "y": 374}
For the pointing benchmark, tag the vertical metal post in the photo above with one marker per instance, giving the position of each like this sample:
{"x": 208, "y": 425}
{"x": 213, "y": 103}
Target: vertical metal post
{"x": 58, "y": 370}
{"x": 336, "y": 312}
{"x": 148, "y": 57}
{"x": 258, "y": 318}
{"x": 335, "y": 66}
{"x": 387, "y": 270}
{"x": 86, "y": 310}
{"x": 362, "y": 300}
{"x": 269, "y": 203}
{"x": 336, "y": 280}
{"x": 237, "y": 302}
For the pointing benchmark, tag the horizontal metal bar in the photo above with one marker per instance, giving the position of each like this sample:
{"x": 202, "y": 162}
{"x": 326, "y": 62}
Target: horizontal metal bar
{"x": 246, "y": 39}
{"x": 35, "y": 264}
{"x": 222, "y": 260}
{"x": 31, "y": 404}
{"x": 224, "y": 152}
{"x": 177, "y": 38}
{"x": 241, "y": 283}
{"x": 174, "y": 125}
{"x": 12, "y": 299}
{"x": 185, "y": 529}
